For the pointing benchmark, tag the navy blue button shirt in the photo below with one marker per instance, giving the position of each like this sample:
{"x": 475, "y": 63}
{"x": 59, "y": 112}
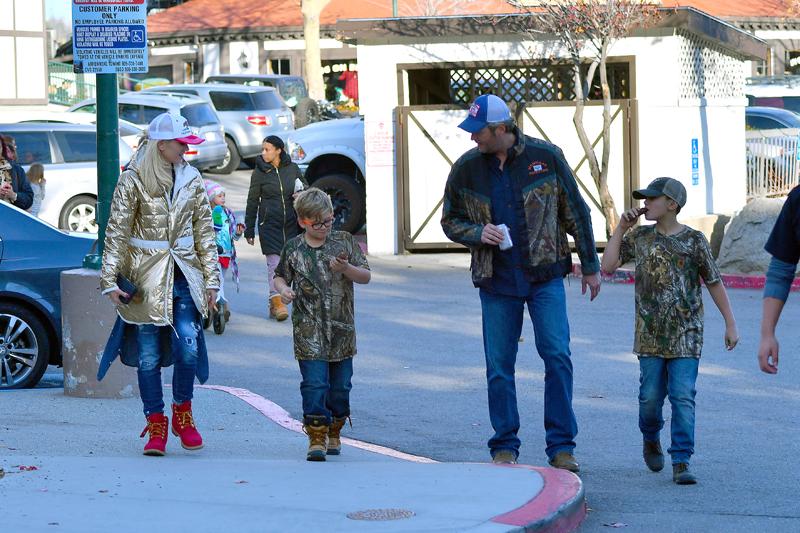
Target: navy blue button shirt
{"x": 508, "y": 278}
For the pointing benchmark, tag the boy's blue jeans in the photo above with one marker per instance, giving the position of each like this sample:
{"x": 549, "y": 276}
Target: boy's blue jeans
{"x": 676, "y": 378}
{"x": 502, "y": 325}
{"x": 186, "y": 320}
{"x": 325, "y": 389}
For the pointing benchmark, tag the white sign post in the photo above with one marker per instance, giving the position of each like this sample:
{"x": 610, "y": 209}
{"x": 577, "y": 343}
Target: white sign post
{"x": 109, "y": 36}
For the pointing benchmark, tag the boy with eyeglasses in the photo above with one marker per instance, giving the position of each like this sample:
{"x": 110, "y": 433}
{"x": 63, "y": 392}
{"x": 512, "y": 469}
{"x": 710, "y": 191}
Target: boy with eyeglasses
{"x": 316, "y": 273}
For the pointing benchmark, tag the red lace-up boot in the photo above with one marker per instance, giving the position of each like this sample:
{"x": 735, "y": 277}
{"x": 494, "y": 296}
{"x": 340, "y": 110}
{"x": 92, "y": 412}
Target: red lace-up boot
{"x": 183, "y": 426}
{"x": 157, "y": 427}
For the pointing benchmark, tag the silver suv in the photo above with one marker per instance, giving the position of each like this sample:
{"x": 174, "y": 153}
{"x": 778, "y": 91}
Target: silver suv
{"x": 141, "y": 108}
{"x": 68, "y": 153}
{"x": 248, "y": 113}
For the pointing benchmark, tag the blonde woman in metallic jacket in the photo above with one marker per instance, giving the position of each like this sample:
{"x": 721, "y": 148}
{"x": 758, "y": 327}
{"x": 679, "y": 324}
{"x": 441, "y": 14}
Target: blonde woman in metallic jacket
{"x": 160, "y": 238}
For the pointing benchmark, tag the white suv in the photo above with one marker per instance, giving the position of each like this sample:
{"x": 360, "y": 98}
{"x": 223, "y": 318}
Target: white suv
{"x": 69, "y": 155}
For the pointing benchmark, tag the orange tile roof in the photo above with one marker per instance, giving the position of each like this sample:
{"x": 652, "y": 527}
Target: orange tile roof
{"x": 201, "y": 15}
{"x": 736, "y": 8}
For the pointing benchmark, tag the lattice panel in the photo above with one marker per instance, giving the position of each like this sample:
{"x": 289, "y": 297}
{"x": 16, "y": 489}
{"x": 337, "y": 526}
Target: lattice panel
{"x": 538, "y": 83}
{"x": 709, "y": 71}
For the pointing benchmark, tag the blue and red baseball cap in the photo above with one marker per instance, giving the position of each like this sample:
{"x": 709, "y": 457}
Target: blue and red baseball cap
{"x": 485, "y": 110}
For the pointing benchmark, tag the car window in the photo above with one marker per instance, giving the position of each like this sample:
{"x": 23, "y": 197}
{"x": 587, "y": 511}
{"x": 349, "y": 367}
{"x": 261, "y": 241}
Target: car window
{"x": 150, "y": 112}
{"x": 267, "y": 100}
{"x": 77, "y": 146}
{"x": 754, "y": 122}
{"x": 32, "y": 147}
{"x": 128, "y": 129}
{"x": 293, "y": 87}
{"x": 230, "y": 101}
{"x": 131, "y": 113}
{"x": 199, "y": 115}
{"x": 88, "y": 108}
{"x": 259, "y": 83}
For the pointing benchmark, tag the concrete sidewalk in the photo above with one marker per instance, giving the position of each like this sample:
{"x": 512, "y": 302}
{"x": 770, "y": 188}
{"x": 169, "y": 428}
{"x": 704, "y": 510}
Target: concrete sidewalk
{"x": 76, "y": 465}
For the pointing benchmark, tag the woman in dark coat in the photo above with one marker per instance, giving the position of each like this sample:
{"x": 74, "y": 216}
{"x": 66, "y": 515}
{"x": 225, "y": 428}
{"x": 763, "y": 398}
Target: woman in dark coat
{"x": 14, "y": 185}
{"x": 273, "y": 185}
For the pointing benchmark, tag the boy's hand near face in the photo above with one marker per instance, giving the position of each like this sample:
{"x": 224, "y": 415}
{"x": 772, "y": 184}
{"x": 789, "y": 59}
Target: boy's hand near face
{"x": 628, "y": 218}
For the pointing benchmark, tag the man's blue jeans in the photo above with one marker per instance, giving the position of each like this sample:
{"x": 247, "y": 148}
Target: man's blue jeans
{"x": 676, "y": 378}
{"x": 186, "y": 320}
{"x": 502, "y": 325}
{"x": 325, "y": 389}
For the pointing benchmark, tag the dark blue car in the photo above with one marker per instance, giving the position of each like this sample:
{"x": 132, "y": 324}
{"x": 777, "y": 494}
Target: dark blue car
{"x": 32, "y": 256}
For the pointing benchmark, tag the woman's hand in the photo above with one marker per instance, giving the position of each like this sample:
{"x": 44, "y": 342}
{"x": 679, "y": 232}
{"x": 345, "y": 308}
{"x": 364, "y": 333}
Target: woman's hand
{"x": 115, "y": 296}
{"x": 212, "y": 299}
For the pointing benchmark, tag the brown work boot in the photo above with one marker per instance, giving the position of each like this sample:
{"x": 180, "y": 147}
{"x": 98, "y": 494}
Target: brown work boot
{"x": 504, "y": 457}
{"x": 565, "y": 461}
{"x": 653, "y": 456}
{"x": 317, "y": 432}
{"x": 682, "y": 475}
{"x": 334, "y": 440}
{"x": 277, "y": 308}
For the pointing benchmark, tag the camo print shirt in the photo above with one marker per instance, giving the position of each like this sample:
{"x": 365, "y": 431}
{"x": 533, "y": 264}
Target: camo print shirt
{"x": 322, "y": 312}
{"x": 669, "y": 298}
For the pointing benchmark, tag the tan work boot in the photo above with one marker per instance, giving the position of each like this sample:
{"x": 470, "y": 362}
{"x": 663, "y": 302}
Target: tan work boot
{"x": 317, "y": 440}
{"x": 277, "y": 308}
{"x": 334, "y": 441}
{"x": 504, "y": 457}
{"x": 565, "y": 461}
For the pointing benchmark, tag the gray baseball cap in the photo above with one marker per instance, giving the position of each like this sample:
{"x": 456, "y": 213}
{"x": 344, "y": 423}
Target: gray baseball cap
{"x": 669, "y": 187}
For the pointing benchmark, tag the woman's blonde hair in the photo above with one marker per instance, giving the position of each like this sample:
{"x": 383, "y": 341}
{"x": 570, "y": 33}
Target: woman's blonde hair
{"x": 312, "y": 204}
{"x": 36, "y": 173}
{"x": 154, "y": 171}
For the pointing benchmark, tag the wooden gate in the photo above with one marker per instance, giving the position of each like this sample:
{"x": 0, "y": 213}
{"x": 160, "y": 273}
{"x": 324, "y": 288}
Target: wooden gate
{"x": 430, "y": 142}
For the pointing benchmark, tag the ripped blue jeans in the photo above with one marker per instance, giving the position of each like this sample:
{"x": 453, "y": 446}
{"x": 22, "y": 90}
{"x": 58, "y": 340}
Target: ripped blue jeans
{"x": 186, "y": 320}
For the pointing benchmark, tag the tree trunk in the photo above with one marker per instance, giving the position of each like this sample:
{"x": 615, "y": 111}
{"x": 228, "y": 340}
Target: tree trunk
{"x": 606, "y": 200}
{"x": 311, "y": 10}
{"x": 577, "y": 120}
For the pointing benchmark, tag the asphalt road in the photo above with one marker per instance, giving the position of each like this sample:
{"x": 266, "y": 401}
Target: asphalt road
{"x": 419, "y": 387}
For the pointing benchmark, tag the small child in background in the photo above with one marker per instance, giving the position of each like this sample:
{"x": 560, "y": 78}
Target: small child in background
{"x": 227, "y": 231}
{"x": 36, "y": 178}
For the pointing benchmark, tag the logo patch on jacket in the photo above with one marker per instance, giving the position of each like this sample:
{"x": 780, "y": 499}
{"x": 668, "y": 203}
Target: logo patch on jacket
{"x": 537, "y": 167}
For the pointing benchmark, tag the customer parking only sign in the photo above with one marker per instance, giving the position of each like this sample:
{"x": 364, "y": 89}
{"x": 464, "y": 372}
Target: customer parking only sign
{"x": 109, "y": 36}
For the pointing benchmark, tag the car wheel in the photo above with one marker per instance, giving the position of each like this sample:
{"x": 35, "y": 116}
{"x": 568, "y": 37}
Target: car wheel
{"x": 306, "y": 112}
{"x": 231, "y": 161}
{"x": 24, "y": 347}
{"x": 348, "y": 201}
{"x": 79, "y": 214}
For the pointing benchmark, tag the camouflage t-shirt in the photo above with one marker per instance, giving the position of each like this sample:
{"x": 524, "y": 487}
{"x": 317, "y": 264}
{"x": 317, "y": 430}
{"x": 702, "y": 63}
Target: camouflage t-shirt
{"x": 322, "y": 312}
{"x": 669, "y": 299}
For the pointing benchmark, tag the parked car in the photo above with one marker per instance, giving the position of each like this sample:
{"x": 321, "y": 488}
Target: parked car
{"x": 774, "y": 91}
{"x": 249, "y": 114}
{"x": 129, "y": 132}
{"x": 142, "y": 107}
{"x": 331, "y": 155}
{"x": 771, "y": 155}
{"x": 292, "y": 89}
{"x": 32, "y": 256}
{"x": 69, "y": 155}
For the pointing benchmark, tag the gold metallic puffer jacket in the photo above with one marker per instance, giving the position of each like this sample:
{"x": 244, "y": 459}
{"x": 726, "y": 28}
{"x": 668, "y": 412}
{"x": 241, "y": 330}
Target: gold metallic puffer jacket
{"x": 146, "y": 236}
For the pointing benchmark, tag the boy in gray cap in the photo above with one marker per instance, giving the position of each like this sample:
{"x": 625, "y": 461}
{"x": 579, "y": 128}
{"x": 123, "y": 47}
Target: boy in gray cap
{"x": 671, "y": 259}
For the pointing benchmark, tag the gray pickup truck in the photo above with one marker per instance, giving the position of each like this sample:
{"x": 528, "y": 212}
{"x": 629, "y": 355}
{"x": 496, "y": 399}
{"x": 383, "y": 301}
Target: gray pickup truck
{"x": 331, "y": 155}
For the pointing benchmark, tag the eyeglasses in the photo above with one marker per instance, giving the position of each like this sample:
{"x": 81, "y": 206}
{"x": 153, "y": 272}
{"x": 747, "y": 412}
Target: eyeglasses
{"x": 324, "y": 224}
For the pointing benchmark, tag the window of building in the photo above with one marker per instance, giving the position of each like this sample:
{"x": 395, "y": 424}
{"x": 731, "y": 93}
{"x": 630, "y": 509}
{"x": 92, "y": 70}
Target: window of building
{"x": 279, "y": 66}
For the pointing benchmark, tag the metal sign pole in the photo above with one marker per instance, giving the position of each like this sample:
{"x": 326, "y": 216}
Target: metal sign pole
{"x": 107, "y": 159}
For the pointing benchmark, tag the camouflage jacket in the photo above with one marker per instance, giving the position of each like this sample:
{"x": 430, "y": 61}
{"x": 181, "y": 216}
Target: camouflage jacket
{"x": 553, "y": 207}
{"x": 669, "y": 299}
{"x": 322, "y": 312}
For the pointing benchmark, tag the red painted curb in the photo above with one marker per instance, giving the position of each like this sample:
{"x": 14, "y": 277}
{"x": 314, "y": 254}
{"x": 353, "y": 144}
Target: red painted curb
{"x": 732, "y": 281}
{"x": 560, "y": 507}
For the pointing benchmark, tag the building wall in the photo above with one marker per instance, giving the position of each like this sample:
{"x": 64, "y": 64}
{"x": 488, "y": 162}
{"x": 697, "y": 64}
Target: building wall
{"x": 674, "y": 103}
{"x": 23, "y": 60}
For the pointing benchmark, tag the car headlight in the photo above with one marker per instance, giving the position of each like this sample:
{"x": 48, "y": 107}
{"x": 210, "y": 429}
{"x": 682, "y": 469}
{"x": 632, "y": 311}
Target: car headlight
{"x": 296, "y": 151}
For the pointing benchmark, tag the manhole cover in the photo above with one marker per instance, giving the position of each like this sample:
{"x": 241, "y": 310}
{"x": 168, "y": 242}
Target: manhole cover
{"x": 380, "y": 514}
